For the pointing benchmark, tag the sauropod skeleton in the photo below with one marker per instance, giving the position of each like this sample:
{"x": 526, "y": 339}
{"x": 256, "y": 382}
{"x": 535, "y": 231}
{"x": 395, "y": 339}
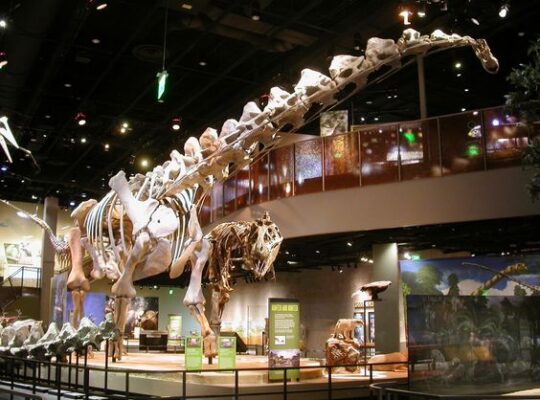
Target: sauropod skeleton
{"x": 148, "y": 224}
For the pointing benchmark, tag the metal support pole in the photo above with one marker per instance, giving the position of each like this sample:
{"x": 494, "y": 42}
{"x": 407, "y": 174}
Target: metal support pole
{"x": 421, "y": 86}
{"x": 127, "y": 384}
{"x": 184, "y": 385}
{"x": 329, "y": 383}
{"x": 106, "y": 364}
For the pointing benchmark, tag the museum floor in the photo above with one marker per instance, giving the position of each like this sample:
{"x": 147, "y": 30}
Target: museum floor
{"x": 161, "y": 371}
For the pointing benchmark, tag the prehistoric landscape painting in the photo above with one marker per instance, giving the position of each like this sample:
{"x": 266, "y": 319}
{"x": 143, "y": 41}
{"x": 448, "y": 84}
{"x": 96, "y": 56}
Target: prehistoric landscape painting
{"x": 94, "y": 307}
{"x": 492, "y": 276}
{"x": 143, "y": 313}
{"x": 473, "y": 344}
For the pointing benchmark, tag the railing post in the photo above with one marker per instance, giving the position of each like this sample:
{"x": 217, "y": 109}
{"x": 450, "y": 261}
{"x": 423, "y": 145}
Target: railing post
{"x": 22, "y": 277}
{"x": 127, "y": 384}
{"x": 58, "y": 379}
{"x": 33, "y": 377}
{"x": 285, "y": 384}
{"x": 184, "y": 385}
{"x": 106, "y": 365}
{"x": 236, "y": 389}
{"x": 86, "y": 375}
{"x": 329, "y": 382}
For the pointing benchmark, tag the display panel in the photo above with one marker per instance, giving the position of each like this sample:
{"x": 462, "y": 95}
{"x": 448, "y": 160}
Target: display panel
{"x": 462, "y": 148}
{"x": 334, "y": 122}
{"x": 419, "y": 149}
{"x": 193, "y": 352}
{"x": 283, "y": 337}
{"x": 473, "y": 344}
{"x": 379, "y": 155}
{"x": 308, "y": 166}
{"x": 281, "y": 166}
{"x": 226, "y": 352}
{"x": 341, "y": 162}
{"x": 259, "y": 180}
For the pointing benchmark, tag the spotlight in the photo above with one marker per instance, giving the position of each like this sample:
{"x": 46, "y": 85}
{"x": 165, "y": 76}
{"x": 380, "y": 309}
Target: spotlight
{"x": 202, "y": 63}
{"x": 475, "y": 21}
{"x": 80, "y": 118}
{"x": 457, "y": 65}
{"x": 503, "y": 12}
{"x": 422, "y": 10}
{"x": 96, "y": 41}
{"x": 349, "y": 244}
{"x": 405, "y": 15}
{"x": 145, "y": 163}
{"x": 357, "y": 41}
{"x": 106, "y": 146}
{"x": 83, "y": 140}
{"x": 3, "y": 59}
{"x": 176, "y": 123}
{"x": 101, "y": 6}
{"x": 3, "y": 23}
{"x": 125, "y": 124}
{"x": 72, "y": 203}
{"x": 255, "y": 11}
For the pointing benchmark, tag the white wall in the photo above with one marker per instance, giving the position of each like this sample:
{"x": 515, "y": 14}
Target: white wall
{"x": 324, "y": 295}
{"x": 465, "y": 197}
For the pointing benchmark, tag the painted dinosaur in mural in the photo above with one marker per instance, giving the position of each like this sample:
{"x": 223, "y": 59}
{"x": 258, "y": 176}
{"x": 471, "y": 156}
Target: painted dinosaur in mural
{"x": 147, "y": 224}
{"x": 498, "y": 276}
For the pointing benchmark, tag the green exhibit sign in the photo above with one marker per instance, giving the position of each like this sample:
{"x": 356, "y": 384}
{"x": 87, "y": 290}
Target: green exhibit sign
{"x": 175, "y": 326}
{"x": 193, "y": 352}
{"x": 283, "y": 337}
{"x": 226, "y": 352}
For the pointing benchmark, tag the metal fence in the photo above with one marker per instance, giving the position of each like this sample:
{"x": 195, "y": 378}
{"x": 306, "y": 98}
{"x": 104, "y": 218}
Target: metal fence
{"x": 76, "y": 375}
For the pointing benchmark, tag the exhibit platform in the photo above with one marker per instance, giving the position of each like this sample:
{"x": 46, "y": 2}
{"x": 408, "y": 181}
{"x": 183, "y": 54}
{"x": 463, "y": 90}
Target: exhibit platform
{"x": 162, "y": 373}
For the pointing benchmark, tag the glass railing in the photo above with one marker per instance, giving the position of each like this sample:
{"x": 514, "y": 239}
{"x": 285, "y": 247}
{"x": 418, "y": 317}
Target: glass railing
{"x": 434, "y": 147}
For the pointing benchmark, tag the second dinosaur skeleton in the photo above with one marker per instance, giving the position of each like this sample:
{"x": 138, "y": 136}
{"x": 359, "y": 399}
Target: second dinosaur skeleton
{"x": 149, "y": 223}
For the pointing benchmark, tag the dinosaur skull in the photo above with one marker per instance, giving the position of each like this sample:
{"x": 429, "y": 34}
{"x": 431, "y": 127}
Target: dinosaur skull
{"x": 266, "y": 240}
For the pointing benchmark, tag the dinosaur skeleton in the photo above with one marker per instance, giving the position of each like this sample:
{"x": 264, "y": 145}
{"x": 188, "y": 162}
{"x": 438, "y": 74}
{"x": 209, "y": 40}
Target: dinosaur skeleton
{"x": 7, "y": 134}
{"x": 149, "y": 223}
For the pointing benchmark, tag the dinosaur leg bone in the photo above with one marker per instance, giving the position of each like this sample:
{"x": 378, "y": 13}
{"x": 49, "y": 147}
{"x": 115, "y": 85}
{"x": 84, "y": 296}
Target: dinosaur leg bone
{"x": 77, "y": 296}
{"x": 121, "y": 309}
{"x": 76, "y": 278}
{"x": 98, "y": 270}
{"x": 124, "y": 286}
{"x": 194, "y": 299}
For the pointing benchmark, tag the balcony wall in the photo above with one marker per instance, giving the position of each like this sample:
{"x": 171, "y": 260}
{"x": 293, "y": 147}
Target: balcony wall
{"x": 446, "y": 169}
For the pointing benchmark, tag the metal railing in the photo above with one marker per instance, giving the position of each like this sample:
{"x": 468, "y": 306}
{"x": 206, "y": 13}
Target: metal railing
{"x": 392, "y": 391}
{"x": 470, "y": 141}
{"x": 76, "y": 375}
{"x": 13, "y": 286}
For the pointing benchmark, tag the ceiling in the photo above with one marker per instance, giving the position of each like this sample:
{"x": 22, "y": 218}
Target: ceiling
{"x": 66, "y": 58}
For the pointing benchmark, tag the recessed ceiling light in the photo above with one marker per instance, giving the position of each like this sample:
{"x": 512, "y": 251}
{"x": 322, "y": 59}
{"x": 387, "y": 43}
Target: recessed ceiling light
{"x": 202, "y": 63}
{"x": 463, "y": 109}
{"x": 71, "y": 203}
{"x": 186, "y": 6}
{"x": 144, "y": 163}
{"x": 101, "y": 6}
{"x": 47, "y": 116}
{"x": 107, "y": 146}
{"x": 68, "y": 85}
{"x": 3, "y": 23}
{"x": 458, "y": 75}
{"x": 475, "y": 21}
{"x": 96, "y": 41}
{"x": 457, "y": 65}
{"x": 83, "y": 140}
{"x": 521, "y": 34}
{"x": 466, "y": 90}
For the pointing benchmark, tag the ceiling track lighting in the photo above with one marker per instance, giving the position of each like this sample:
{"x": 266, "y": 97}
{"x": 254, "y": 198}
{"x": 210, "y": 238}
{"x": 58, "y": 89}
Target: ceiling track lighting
{"x": 3, "y": 59}
{"x": 255, "y": 11}
{"x": 503, "y": 11}
{"x": 176, "y": 123}
{"x": 80, "y": 118}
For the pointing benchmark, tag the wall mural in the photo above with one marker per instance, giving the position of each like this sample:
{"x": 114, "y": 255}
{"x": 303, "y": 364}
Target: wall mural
{"x": 142, "y": 313}
{"x": 473, "y": 344}
{"x": 94, "y": 307}
{"x": 493, "y": 276}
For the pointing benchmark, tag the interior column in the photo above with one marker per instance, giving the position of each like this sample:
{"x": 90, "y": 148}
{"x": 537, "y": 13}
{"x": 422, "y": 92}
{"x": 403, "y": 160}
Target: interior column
{"x": 50, "y": 215}
{"x": 387, "y": 326}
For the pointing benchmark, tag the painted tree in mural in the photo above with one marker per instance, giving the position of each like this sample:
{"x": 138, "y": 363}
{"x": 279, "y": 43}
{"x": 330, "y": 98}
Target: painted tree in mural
{"x": 524, "y": 101}
{"x": 453, "y": 288}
